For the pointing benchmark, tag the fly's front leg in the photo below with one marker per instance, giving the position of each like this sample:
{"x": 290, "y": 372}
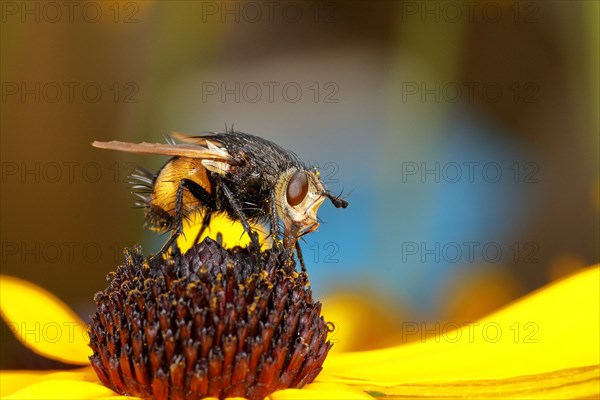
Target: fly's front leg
{"x": 276, "y": 232}
{"x": 300, "y": 256}
{"x": 274, "y": 222}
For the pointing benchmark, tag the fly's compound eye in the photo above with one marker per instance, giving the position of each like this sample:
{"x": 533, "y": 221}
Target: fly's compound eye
{"x": 297, "y": 188}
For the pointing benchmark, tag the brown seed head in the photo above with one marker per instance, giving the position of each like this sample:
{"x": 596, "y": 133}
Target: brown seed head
{"x": 207, "y": 323}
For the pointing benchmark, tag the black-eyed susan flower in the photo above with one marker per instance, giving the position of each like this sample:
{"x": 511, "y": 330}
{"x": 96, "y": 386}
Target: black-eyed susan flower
{"x": 560, "y": 360}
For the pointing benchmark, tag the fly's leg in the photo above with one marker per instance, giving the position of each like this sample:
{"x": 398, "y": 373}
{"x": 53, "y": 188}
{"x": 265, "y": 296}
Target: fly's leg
{"x": 276, "y": 232}
{"x": 199, "y": 193}
{"x": 205, "y": 224}
{"x": 236, "y": 208}
{"x": 178, "y": 219}
{"x": 300, "y": 256}
{"x": 205, "y": 199}
{"x": 274, "y": 222}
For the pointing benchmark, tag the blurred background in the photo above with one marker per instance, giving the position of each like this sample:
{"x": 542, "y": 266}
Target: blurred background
{"x": 465, "y": 136}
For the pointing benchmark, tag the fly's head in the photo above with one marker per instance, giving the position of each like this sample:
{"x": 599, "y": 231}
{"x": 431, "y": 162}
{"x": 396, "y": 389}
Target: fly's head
{"x": 299, "y": 193}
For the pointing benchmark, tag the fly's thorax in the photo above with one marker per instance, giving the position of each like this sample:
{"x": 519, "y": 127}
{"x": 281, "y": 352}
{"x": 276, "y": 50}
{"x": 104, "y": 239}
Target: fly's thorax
{"x": 298, "y": 193}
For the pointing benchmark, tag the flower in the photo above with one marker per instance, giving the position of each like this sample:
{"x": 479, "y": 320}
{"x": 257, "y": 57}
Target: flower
{"x": 559, "y": 361}
{"x": 209, "y": 322}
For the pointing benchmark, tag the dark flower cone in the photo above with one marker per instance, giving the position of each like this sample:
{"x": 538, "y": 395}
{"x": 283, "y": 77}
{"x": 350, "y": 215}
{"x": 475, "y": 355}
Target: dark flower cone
{"x": 211, "y": 322}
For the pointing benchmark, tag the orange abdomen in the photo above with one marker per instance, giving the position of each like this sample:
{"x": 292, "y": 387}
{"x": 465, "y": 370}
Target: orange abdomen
{"x": 167, "y": 182}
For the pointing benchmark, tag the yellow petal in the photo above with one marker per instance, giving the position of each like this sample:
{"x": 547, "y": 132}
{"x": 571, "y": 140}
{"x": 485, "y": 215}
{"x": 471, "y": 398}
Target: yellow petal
{"x": 547, "y": 342}
{"x": 118, "y": 397}
{"x": 12, "y": 381}
{"x": 62, "y": 389}
{"x": 361, "y": 322}
{"x": 321, "y": 391}
{"x": 574, "y": 383}
{"x": 232, "y": 231}
{"x": 42, "y": 322}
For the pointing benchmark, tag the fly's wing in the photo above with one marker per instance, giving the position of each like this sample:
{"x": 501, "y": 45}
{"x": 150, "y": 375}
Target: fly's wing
{"x": 214, "y": 157}
{"x": 201, "y": 140}
{"x": 207, "y": 141}
{"x": 177, "y": 150}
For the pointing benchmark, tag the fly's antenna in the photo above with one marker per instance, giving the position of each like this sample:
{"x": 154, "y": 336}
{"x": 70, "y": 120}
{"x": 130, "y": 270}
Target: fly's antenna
{"x": 337, "y": 201}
